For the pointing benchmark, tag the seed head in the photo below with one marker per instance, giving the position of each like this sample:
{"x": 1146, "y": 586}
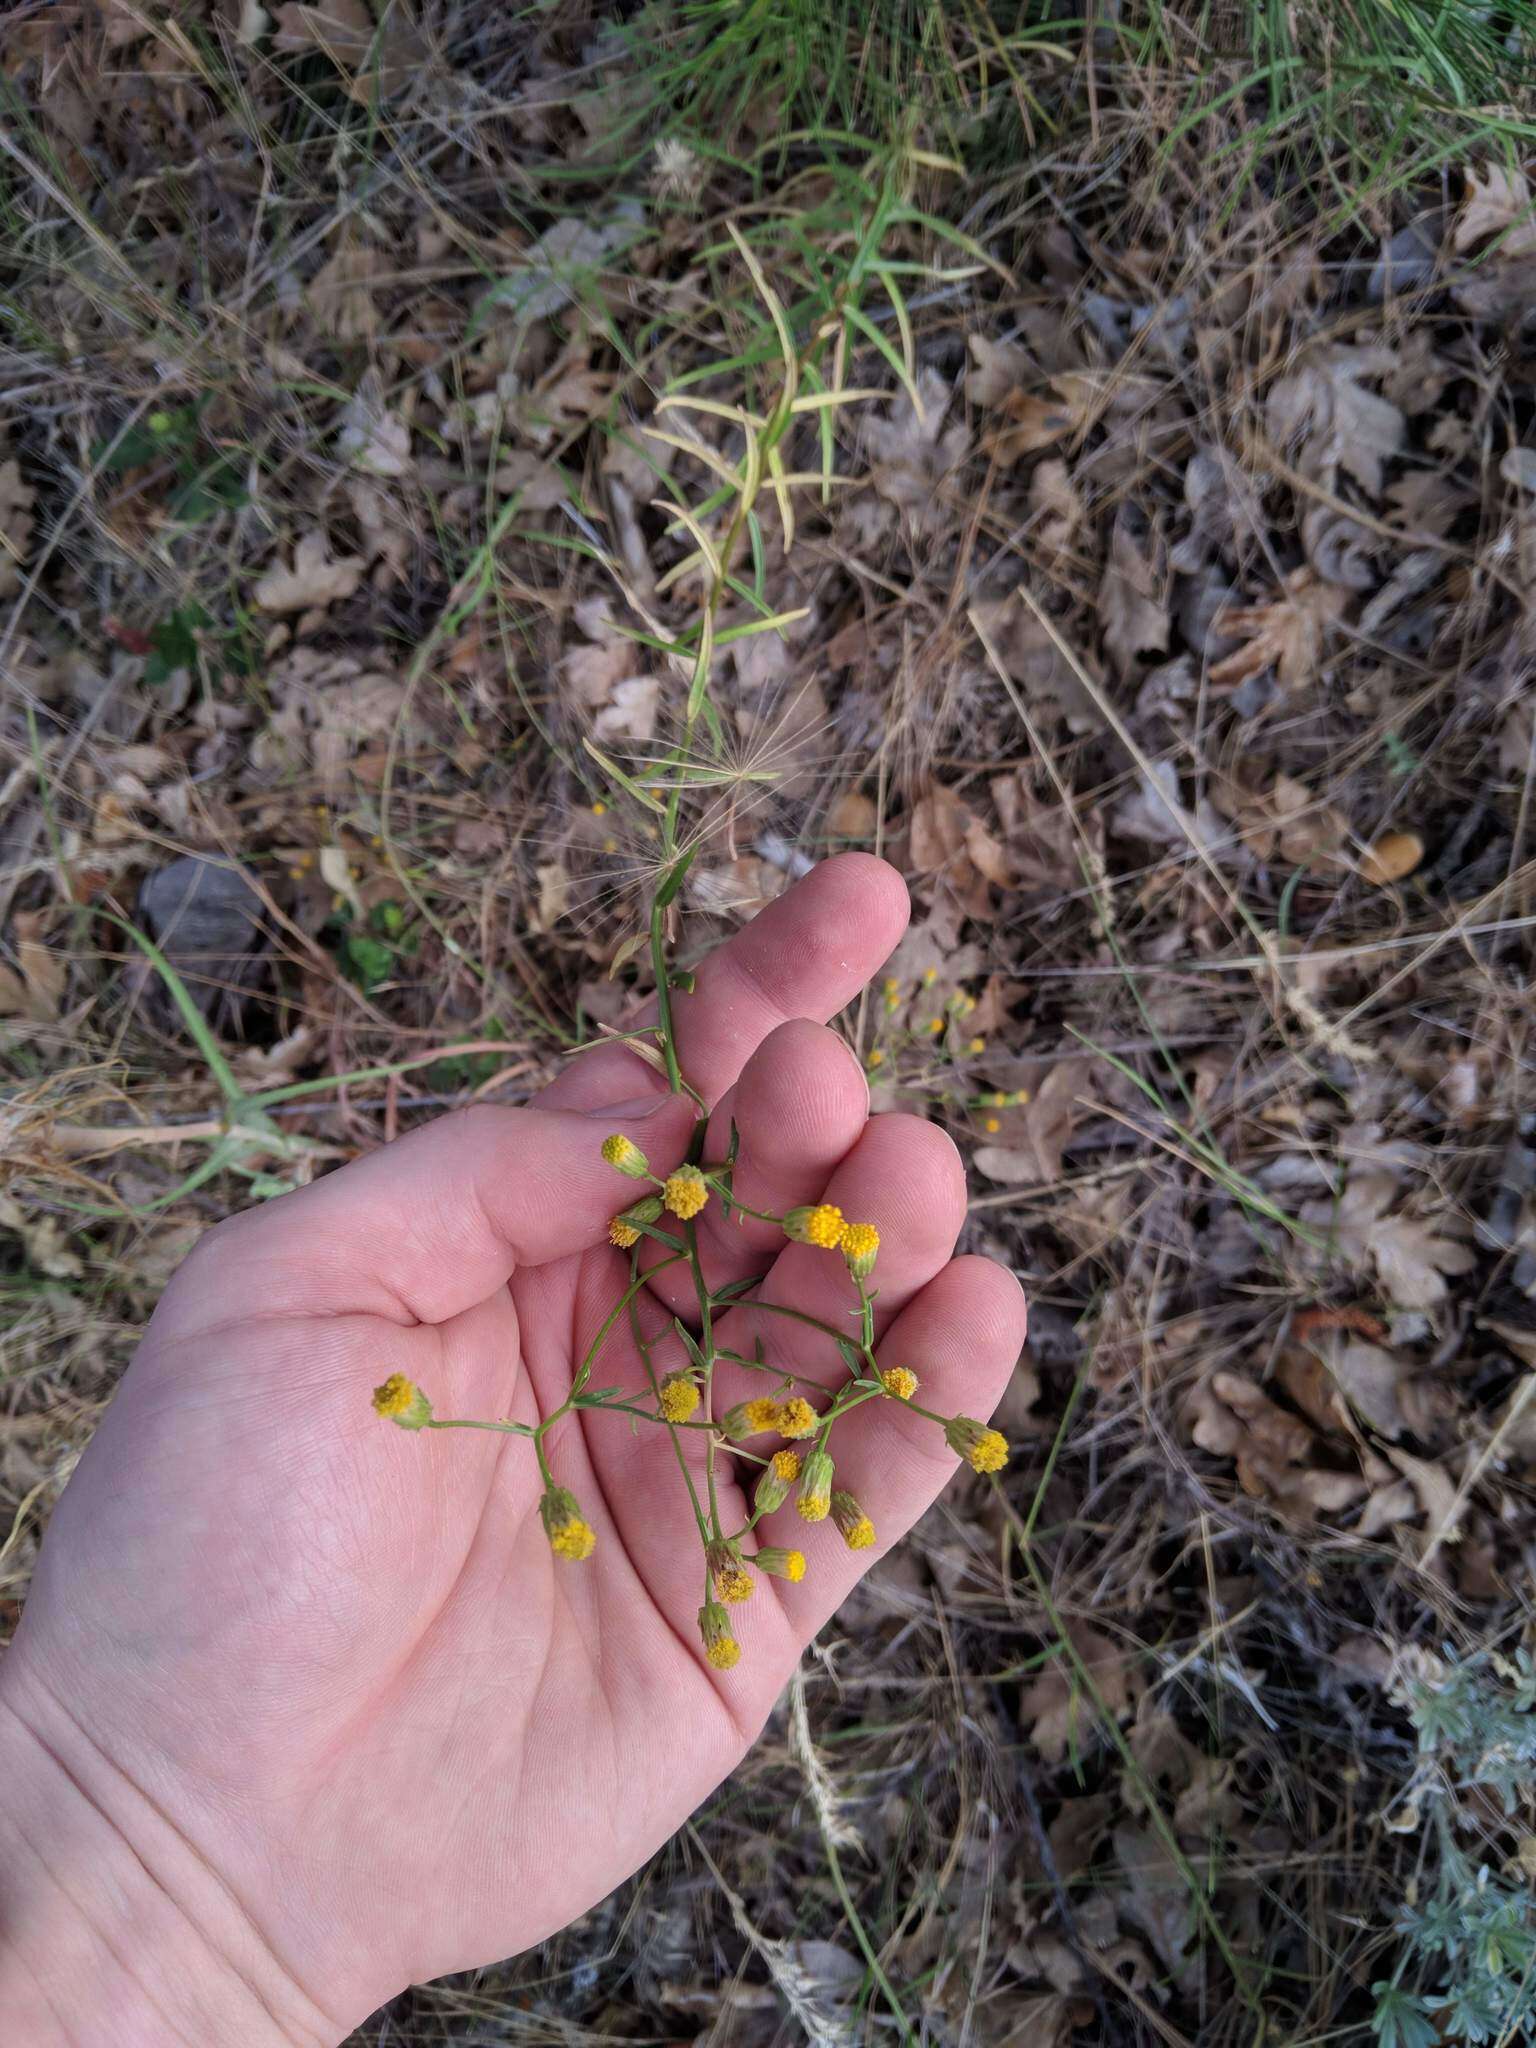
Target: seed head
{"x": 853, "y": 1525}
{"x": 821, "y": 1224}
{"x": 570, "y": 1535}
{"x": 813, "y": 1502}
{"x": 983, "y": 1449}
{"x": 899, "y": 1381}
{"x": 720, "y": 1646}
{"x": 685, "y": 1192}
{"x": 402, "y": 1402}
{"x": 781, "y": 1564}
{"x": 797, "y": 1418}
{"x": 626, "y": 1155}
{"x": 860, "y": 1245}
{"x": 677, "y": 1397}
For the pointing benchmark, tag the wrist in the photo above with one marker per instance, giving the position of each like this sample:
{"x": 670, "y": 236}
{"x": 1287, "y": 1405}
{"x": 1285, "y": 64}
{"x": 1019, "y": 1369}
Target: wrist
{"x": 111, "y": 1926}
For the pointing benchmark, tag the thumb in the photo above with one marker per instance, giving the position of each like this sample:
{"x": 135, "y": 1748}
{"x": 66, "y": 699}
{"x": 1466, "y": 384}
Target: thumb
{"x": 428, "y": 1226}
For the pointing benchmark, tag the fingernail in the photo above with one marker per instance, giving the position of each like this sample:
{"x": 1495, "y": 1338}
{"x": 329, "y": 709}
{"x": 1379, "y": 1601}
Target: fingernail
{"x": 632, "y": 1112}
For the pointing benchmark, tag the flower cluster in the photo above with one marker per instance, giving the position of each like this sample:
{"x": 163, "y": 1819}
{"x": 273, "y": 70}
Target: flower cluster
{"x": 659, "y": 1229}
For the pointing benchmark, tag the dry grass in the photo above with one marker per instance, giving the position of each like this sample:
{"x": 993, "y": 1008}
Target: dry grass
{"x": 1205, "y": 569}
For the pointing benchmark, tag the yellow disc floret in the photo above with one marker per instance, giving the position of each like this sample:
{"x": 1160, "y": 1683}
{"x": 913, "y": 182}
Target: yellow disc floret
{"x": 626, "y": 1155}
{"x": 720, "y": 1646}
{"x": 853, "y": 1525}
{"x": 570, "y": 1534}
{"x": 622, "y": 1232}
{"x": 797, "y": 1418}
{"x": 395, "y": 1396}
{"x": 983, "y": 1449}
{"x": 899, "y": 1381}
{"x": 860, "y": 1244}
{"x": 677, "y": 1397}
{"x": 781, "y": 1564}
{"x": 786, "y": 1466}
{"x": 685, "y": 1192}
{"x": 824, "y": 1226}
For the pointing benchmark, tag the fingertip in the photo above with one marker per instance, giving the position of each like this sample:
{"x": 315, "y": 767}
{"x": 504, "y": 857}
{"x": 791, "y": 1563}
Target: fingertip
{"x": 869, "y": 888}
{"x": 802, "y": 1080}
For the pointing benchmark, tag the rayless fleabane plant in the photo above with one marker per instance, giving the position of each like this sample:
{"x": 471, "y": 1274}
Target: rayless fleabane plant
{"x": 657, "y": 1229}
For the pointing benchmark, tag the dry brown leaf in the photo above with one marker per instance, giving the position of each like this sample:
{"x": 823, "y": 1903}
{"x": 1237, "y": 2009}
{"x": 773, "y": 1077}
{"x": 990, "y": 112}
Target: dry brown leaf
{"x": 940, "y": 821}
{"x": 630, "y": 713}
{"x": 1286, "y": 633}
{"x": 42, "y": 969}
{"x": 313, "y": 580}
{"x": 911, "y": 457}
{"x": 1058, "y": 1712}
{"x": 1037, "y": 422}
{"x": 1287, "y": 819}
{"x": 1497, "y": 202}
{"x": 1000, "y": 367}
{"x": 16, "y": 501}
{"x": 1033, "y": 660}
{"x": 1391, "y": 857}
{"x": 852, "y": 816}
{"x": 371, "y": 438}
{"x": 1133, "y": 595}
{"x": 1049, "y": 1119}
{"x": 377, "y": 57}
{"x": 341, "y": 292}
{"x": 1055, "y": 504}
{"x": 1339, "y": 424}
{"x": 1411, "y": 1258}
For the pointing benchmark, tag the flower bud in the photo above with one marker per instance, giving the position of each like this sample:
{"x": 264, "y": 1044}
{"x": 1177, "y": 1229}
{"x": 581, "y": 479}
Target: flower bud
{"x": 720, "y": 1646}
{"x": 626, "y": 1155}
{"x": 813, "y": 1502}
{"x": 402, "y": 1402}
{"x": 780, "y": 1563}
{"x": 983, "y": 1449}
{"x": 624, "y": 1230}
{"x": 853, "y": 1525}
{"x": 779, "y": 1475}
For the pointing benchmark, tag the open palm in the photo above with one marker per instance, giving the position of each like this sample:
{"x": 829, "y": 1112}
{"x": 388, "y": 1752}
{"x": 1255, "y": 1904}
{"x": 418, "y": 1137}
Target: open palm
{"x": 342, "y": 1661}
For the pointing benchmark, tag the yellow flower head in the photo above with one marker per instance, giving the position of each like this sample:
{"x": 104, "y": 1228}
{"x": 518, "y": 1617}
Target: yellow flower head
{"x": 891, "y": 985}
{"x": 624, "y": 1229}
{"x": 899, "y": 1381}
{"x": 860, "y": 1243}
{"x": 977, "y": 1045}
{"x": 813, "y": 1503}
{"x": 720, "y": 1646}
{"x": 781, "y": 1564}
{"x": 626, "y": 1155}
{"x": 936, "y": 1026}
{"x": 930, "y": 976}
{"x": 983, "y": 1449}
{"x": 678, "y": 1397}
{"x": 732, "y": 1580}
{"x": 819, "y": 1225}
{"x": 402, "y": 1402}
{"x": 751, "y": 1418}
{"x": 570, "y": 1535}
{"x": 992, "y": 1127}
{"x": 685, "y": 1192}
{"x": 796, "y": 1418}
{"x": 786, "y": 1466}
{"x": 774, "y": 1483}
{"x": 876, "y": 1058}
{"x": 853, "y": 1525}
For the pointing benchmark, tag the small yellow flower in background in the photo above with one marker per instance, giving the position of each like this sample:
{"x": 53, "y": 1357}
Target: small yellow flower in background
{"x": 732, "y": 1580}
{"x": 936, "y": 1026}
{"x": 813, "y": 1503}
{"x": 853, "y": 1525}
{"x": 860, "y": 1244}
{"x": 977, "y": 1045}
{"x": 899, "y": 1381}
{"x": 966, "y": 1004}
{"x": 796, "y": 1417}
{"x": 678, "y": 1397}
{"x": 992, "y": 1127}
{"x": 751, "y": 1418}
{"x": 780, "y": 1563}
{"x": 570, "y": 1535}
{"x": 624, "y": 1230}
{"x": 402, "y": 1402}
{"x": 779, "y": 1475}
{"x": 983, "y": 1449}
{"x": 930, "y": 976}
{"x": 891, "y": 985}
{"x": 720, "y": 1646}
{"x": 685, "y": 1192}
{"x": 626, "y": 1155}
{"x": 599, "y": 809}
{"x": 875, "y": 1058}
{"x": 819, "y": 1224}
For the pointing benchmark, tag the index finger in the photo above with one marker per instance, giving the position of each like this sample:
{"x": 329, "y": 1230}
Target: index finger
{"x": 806, "y": 955}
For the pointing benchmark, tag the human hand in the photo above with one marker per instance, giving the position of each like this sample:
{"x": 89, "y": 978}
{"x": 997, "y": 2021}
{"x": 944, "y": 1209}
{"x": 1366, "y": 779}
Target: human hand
{"x": 320, "y": 1687}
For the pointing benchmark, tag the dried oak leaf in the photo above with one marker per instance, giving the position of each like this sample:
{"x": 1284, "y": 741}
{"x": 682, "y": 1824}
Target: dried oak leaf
{"x": 1286, "y": 633}
{"x": 314, "y": 579}
{"x": 1036, "y": 422}
{"x": 1001, "y": 366}
{"x": 1133, "y": 595}
{"x": 1232, "y": 1418}
{"x": 912, "y": 455}
{"x": 1340, "y": 425}
{"x": 1058, "y": 1712}
{"x": 1412, "y": 1259}
{"x": 377, "y": 57}
{"x": 1048, "y": 1122}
